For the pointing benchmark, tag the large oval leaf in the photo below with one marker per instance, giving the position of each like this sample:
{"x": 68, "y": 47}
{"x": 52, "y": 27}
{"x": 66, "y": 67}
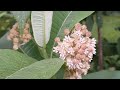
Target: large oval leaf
{"x": 12, "y": 61}
{"x": 21, "y": 17}
{"x": 60, "y": 73}
{"x": 105, "y": 74}
{"x": 62, "y": 20}
{"x": 41, "y": 24}
{"x": 44, "y": 69}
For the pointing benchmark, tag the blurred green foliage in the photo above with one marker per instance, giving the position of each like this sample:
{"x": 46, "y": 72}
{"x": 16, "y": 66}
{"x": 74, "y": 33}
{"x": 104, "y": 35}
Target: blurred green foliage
{"x": 6, "y": 22}
{"x": 110, "y": 41}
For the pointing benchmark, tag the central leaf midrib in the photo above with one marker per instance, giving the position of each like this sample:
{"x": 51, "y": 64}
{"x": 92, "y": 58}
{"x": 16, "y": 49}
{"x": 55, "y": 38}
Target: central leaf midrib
{"x": 44, "y": 29}
{"x": 5, "y": 58}
{"x": 20, "y": 69}
{"x": 36, "y": 63}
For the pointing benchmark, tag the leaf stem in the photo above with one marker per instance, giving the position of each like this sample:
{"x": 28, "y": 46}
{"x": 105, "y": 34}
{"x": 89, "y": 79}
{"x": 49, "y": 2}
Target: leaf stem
{"x": 43, "y": 52}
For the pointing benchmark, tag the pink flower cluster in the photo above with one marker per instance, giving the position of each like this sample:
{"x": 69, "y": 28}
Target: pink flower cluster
{"x": 77, "y": 49}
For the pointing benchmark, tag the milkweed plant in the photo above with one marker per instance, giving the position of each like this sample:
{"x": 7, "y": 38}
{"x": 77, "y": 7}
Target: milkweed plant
{"x": 46, "y": 42}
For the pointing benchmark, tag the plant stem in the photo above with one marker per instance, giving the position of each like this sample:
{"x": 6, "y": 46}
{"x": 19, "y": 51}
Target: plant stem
{"x": 43, "y": 53}
{"x": 99, "y": 21}
{"x": 100, "y": 50}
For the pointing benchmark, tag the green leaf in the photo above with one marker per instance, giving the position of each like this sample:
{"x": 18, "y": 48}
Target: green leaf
{"x": 111, "y": 60}
{"x": 4, "y": 43}
{"x": 21, "y": 17}
{"x": 90, "y": 22}
{"x": 31, "y": 49}
{"x": 109, "y": 48}
{"x": 41, "y": 24}
{"x": 99, "y": 19}
{"x": 3, "y": 13}
{"x": 62, "y": 20}
{"x": 44, "y": 69}
{"x": 104, "y": 74}
{"x": 12, "y": 61}
{"x": 61, "y": 72}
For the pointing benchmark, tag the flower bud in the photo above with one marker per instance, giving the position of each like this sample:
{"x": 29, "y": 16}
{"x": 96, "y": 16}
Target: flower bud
{"x": 83, "y": 57}
{"x": 26, "y": 31}
{"x": 90, "y": 49}
{"x": 57, "y": 39}
{"x": 15, "y": 40}
{"x": 14, "y": 43}
{"x": 81, "y": 51}
{"x": 87, "y": 59}
{"x": 12, "y": 31}
{"x": 24, "y": 36}
{"x": 27, "y": 26}
{"x": 88, "y": 34}
{"x": 11, "y": 35}
{"x": 83, "y": 32}
{"x": 83, "y": 27}
{"x": 16, "y": 33}
{"x": 66, "y": 31}
{"x": 78, "y": 56}
{"x": 83, "y": 46}
{"x": 15, "y": 26}
{"x": 28, "y": 36}
{"x": 15, "y": 47}
{"x": 75, "y": 48}
{"x": 78, "y": 26}
{"x": 25, "y": 40}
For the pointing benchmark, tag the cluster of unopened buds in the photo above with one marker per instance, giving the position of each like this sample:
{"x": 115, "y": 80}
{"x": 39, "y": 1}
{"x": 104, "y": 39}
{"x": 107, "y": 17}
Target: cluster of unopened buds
{"x": 77, "y": 49}
{"x": 18, "y": 39}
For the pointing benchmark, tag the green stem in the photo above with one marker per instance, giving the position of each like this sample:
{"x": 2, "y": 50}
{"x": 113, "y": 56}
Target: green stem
{"x": 43, "y": 52}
